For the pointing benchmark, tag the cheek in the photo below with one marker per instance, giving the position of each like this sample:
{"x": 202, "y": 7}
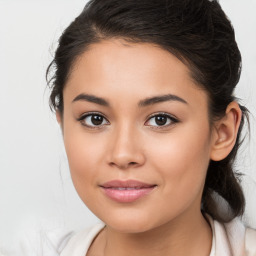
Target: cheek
{"x": 182, "y": 159}
{"x": 84, "y": 154}
{"x": 81, "y": 152}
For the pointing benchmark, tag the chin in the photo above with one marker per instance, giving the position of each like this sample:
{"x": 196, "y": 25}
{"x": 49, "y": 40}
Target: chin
{"x": 129, "y": 227}
{"x": 129, "y": 222}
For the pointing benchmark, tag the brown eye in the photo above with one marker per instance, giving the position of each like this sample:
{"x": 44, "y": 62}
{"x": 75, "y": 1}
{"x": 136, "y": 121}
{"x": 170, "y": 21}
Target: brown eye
{"x": 161, "y": 120}
{"x": 96, "y": 119}
{"x": 93, "y": 120}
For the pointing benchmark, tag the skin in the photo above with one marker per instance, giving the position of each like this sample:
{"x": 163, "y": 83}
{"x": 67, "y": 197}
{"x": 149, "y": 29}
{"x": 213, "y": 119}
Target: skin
{"x": 130, "y": 145}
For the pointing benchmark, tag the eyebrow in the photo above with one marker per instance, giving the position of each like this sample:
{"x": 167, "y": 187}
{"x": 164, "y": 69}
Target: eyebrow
{"x": 142, "y": 103}
{"x": 161, "y": 98}
{"x": 91, "y": 98}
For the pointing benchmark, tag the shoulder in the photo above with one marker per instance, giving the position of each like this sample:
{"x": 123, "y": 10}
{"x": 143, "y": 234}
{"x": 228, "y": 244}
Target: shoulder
{"x": 238, "y": 233}
{"x": 233, "y": 238}
{"x": 80, "y": 242}
{"x": 250, "y": 242}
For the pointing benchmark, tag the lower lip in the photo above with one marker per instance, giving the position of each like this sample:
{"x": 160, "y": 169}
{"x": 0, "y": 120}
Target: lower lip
{"x": 127, "y": 196}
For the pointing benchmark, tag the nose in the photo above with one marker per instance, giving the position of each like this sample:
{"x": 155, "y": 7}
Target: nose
{"x": 126, "y": 149}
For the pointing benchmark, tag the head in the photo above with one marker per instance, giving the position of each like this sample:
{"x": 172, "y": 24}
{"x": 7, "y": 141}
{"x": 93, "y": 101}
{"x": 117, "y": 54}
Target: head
{"x": 125, "y": 68}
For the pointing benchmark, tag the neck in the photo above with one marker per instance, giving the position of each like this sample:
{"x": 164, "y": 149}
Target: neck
{"x": 185, "y": 235}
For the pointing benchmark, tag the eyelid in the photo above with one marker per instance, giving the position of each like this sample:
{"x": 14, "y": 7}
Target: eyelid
{"x": 164, "y": 114}
{"x": 173, "y": 118}
{"x": 91, "y": 113}
{"x": 84, "y": 115}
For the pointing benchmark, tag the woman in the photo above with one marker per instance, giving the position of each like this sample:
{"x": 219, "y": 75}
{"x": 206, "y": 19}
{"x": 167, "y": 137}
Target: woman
{"x": 143, "y": 91}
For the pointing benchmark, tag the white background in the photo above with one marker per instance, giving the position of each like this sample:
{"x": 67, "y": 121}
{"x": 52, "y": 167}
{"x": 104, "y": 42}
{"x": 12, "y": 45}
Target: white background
{"x": 37, "y": 197}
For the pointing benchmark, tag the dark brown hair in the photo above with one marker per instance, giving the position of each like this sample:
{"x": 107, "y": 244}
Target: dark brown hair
{"x": 197, "y": 32}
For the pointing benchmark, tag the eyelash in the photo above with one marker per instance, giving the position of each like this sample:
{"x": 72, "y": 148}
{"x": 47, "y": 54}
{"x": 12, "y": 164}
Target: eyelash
{"x": 173, "y": 120}
{"x": 82, "y": 118}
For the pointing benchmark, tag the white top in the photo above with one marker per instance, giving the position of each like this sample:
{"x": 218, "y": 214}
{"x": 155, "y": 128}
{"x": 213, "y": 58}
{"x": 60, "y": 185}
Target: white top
{"x": 228, "y": 239}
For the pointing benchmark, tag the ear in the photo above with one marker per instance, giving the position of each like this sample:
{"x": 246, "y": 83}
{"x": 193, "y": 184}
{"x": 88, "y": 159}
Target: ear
{"x": 58, "y": 117}
{"x": 225, "y": 132}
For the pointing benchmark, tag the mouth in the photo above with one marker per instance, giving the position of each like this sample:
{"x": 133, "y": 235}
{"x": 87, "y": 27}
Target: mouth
{"x": 126, "y": 191}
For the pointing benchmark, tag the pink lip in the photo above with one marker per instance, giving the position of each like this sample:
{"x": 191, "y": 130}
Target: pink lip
{"x": 126, "y": 191}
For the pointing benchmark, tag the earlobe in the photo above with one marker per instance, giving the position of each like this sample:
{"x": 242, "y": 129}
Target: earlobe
{"x": 225, "y": 132}
{"x": 58, "y": 117}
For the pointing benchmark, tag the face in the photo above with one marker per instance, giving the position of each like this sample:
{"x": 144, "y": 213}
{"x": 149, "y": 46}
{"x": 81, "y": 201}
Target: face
{"x": 137, "y": 135}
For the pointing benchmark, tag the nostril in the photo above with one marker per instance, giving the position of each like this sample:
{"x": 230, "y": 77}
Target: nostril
{"x": 123, "y": 165}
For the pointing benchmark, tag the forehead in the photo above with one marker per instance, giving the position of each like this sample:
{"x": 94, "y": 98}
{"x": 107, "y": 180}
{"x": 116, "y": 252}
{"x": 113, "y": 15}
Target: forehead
{"x": 138, "y": 70}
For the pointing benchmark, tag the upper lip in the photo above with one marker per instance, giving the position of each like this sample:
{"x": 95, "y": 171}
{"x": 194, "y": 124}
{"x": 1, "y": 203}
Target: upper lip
{"x": 126, "y": 184}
